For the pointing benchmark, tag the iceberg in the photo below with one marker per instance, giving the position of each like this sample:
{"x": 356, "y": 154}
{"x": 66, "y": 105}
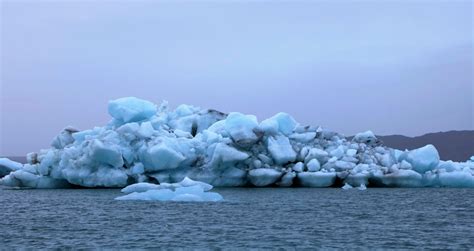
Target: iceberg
{"x": 186, "y": 190}
{"x": 147, "y": 148}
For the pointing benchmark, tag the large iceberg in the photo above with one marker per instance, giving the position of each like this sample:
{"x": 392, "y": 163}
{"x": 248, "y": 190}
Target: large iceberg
{"x": 149, "y": 146}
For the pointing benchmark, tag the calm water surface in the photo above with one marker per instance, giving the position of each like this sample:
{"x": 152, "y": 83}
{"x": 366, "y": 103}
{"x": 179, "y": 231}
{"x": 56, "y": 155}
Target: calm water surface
{"x": 249, "y": 218}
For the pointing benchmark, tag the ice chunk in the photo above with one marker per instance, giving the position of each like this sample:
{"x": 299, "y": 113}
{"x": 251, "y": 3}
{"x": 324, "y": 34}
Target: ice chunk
{"x": 362, "y": 187}
{"x": 138, "y": 168}
{"x": 7, "y": 166}
{"x": 313, "y": 165}
{"x": 343, "y": 165}
{"x": 367, "y": 137}
{"x": 287, "y": 179}
{"x": 449, "y": 166}
{"x": 184, "y": 110}
{"x": 405, "y": 165}
{"x": 207, "y": 118}
{"x": 346, "y": 186}
{"x": 338, "y": 152}
{"x": 131, "y": 109}
{"x": 162, "y": 157}
{"x": 187, "y": 182}
{"x": 264, "y": 176}
{"x": 279, "y": 123}
{"x": 316, "y": 153}
{"x": 64, "y": 138}
{"x": 303, "y": 137}
{"x": 79, "y": 137}
{"x": 106, "y": 154}
{"x": 241, "y": 128}
{"x": 32, "y": 158}
{"x": 186, "y": 124}
{"x": 10, "y": 181}
{"x": 27, "y": 179}
{"x": 146, "y": 130}
{"x": 23, "y": 178}
{"x": 265, "y": 159}
{"x": 351, "y": 152}
{"x": 423, "y": 159}
{"x": 225, "y": 154}
{"x": 317, "y": 179}
{"x": 298, "y": 167}
{"x": 281, "y": 149}
{"x": 219, "y": 128}
{"x": 257, "y": 163}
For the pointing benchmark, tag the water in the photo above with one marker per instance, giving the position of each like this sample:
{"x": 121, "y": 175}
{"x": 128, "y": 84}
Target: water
{"x": 250, "y": 218}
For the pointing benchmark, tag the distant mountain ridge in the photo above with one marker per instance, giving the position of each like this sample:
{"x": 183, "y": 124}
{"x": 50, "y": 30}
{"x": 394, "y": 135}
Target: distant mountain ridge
{"x": 451, "y": 145}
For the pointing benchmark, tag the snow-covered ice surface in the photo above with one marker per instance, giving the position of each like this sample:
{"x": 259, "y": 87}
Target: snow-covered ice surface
{"x": 186, "y": 190}
{"x": 145, "y": 143}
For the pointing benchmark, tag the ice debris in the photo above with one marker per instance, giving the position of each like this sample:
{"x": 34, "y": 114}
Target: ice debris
{"x": 346, "y": 186}
{"x": 186, "y": 190}
{"x": 152, "y": 146}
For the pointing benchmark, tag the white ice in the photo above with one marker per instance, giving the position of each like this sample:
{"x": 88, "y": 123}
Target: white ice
{"x": 186, "y": 190}
{"x": 347, "y": 186}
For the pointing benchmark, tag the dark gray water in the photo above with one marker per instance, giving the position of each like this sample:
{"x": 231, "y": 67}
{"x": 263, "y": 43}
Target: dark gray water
{"x": 249, "y": 218}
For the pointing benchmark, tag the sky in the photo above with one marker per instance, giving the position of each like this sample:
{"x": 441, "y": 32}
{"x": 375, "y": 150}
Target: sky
{"x": 395, "y": 67}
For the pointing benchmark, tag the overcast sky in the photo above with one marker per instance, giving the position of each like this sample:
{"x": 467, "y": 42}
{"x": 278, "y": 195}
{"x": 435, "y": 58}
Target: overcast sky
{"x": 396, "y": 67}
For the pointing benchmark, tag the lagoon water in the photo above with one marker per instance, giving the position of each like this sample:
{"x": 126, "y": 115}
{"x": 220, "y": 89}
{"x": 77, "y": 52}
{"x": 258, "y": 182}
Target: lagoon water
{"x": 249, "y": 218}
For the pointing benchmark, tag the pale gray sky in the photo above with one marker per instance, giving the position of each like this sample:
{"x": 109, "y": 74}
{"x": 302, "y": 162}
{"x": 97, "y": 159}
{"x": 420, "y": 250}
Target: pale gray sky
{"x": 403, "y": 67}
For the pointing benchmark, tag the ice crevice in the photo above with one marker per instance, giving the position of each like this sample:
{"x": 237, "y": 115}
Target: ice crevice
{"x": 145, "y": 145}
